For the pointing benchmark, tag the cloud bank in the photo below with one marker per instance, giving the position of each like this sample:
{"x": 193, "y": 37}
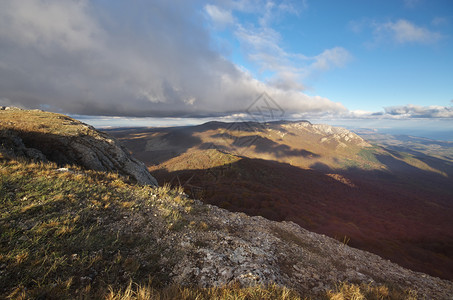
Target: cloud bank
{"x": 405, "y": 112}
{"x": 417, "y": 111}
{"x": 140, "y": 58}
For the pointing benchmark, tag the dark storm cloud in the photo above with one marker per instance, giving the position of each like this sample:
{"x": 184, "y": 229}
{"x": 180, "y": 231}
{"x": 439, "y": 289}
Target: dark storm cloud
{"x": 141, "y": 58}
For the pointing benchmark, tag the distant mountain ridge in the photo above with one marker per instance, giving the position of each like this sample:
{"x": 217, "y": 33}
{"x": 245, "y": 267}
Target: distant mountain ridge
{"x": 252, "y": 139}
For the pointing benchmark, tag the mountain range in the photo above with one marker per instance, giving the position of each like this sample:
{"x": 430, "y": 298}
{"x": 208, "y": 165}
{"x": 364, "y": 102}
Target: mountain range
{"x": 386, "y": 198}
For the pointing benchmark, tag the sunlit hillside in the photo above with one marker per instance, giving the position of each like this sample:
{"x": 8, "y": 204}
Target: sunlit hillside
{"x": 393, "y": 203}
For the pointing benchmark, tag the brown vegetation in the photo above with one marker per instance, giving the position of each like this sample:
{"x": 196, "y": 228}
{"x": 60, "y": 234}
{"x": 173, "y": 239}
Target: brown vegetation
{"x": 390, "y": 203}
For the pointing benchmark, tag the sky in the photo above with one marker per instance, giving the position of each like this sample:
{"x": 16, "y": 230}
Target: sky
{"x": 229, "y": 59}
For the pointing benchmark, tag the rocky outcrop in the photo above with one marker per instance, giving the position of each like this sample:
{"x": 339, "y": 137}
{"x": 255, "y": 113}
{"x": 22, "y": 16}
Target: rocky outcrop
{"x": 46, "y": 136}
{"x": 341, "y": 137}
{"x": 208, "y": 246}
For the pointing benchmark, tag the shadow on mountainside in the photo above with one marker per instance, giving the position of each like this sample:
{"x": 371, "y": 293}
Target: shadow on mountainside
{"x": 49, "y": 147}
{"x": 377, "y": 213}
{"x": 442, "y": 165}
{"x": 417, "y": 179}
{"x": 260, "y": 145}
{"x": 142, "y": 142}
{"x": 156, "y": 146}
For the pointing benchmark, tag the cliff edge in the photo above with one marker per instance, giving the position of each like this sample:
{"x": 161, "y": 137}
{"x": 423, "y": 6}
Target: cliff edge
{"x": 45, "y": 136}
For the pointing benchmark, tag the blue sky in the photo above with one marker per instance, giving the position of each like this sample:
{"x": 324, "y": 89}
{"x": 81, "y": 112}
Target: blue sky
{"x": 394, "y": 52}
{"x": 326, "y": 60}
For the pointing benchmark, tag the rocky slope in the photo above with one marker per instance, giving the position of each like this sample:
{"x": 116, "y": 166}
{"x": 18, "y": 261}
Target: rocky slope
{"x": 341, "y": 137}
{"x": 46, "y": 136}
{"x": 253, "y": 250}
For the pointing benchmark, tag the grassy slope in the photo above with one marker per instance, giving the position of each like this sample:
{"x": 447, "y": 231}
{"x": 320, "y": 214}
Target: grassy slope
{"x": 58, "y": 230}
{"x": 42, "y": 122}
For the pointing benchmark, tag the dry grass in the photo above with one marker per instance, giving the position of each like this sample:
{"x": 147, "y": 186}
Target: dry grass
{"x": 42, "y": 122}
{"x": 347, "y": 291}
{"x": 344, "y": 291}
{"x": 56, "y": 227}
{"x": 146, "y": 292}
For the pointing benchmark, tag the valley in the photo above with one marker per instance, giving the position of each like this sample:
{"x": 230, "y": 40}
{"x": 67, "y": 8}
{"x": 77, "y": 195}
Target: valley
{"x": 372, "y": 195}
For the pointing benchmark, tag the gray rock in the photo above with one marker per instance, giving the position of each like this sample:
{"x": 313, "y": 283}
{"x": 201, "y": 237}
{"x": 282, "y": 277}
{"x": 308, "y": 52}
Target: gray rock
{"x": 260, "y": 251}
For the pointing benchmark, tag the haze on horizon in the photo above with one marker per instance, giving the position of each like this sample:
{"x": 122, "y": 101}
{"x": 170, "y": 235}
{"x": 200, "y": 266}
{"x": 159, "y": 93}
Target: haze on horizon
{"x": 378, "y": 60}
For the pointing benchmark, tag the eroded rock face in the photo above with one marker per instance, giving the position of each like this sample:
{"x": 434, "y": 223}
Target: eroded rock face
{"x": 46, "y": 136}
{"x": 253, "y": 250}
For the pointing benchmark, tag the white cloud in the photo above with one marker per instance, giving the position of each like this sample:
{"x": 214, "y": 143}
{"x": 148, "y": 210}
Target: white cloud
{"x": 261, "y": 40}
{"x": 273, "y": 11}
{"x": 357, "y": 26}
{"x": 276, "y": 8}
{"x": 335, "y": 57}
{"x": 403, "y": 31}
{"x": 131, "y": 59}
{"x": 261, "y": 43}
{"x": 361, "y": 114}
{"x": 403, "y": 112}
{"x": 219, "y": 16}
{"x": 286, "y": 80}
{"x": 289, "y": 70}
{"x": 417, "y": 111}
